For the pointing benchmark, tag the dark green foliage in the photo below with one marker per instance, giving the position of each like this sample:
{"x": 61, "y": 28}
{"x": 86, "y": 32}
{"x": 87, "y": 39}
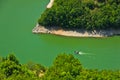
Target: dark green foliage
{"x": 82, "y": 14}
{"x": 10, "y": 65}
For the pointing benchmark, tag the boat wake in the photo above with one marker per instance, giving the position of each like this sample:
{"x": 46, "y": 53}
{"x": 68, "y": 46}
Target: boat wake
{"x": 83, "y": 53}
{"x": 89, "y": 55}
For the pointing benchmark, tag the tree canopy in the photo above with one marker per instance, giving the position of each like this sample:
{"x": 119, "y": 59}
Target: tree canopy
{"x": 82, "y": 14}
{"x": 64, "y": 67}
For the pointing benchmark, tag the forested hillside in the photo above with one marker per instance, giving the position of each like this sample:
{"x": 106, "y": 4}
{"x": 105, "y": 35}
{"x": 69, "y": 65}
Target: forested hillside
{"x": 64, "y": 67}
{"x": 82, "y": 14}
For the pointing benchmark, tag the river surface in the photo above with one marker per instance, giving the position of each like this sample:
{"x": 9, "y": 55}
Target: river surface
{"x": 17, "y": 19}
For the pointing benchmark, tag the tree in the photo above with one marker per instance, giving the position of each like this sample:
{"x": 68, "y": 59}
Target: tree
{"x": 35, "y": 68}
{"x": 64, "y": 67}
{"x": 10, "y": 65}
{"x": 82, "y": 14}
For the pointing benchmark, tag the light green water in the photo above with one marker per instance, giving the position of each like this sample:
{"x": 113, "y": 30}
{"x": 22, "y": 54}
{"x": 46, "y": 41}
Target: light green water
{"x": 18, "y": 17}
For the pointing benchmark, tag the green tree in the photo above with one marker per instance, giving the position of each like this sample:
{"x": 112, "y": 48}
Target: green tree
{"x": 82, "y": 14}
{"x": 64, "y": 67}
{"x": 35, "y": 68}
{"x": 10, "y": 65}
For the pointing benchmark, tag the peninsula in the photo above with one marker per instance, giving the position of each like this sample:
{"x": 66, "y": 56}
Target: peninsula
{"x": 91, "y": 18}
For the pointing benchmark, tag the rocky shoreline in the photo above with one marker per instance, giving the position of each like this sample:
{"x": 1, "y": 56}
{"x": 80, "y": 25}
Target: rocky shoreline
{"x": 74, "y": 33}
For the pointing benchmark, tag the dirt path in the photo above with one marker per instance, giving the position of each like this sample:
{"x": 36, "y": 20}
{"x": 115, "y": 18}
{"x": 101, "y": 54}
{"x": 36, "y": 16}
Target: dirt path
{"x": 50, "y": 4}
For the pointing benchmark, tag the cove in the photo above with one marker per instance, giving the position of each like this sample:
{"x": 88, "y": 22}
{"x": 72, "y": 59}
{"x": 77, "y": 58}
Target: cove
{"x": 18, "y": 18}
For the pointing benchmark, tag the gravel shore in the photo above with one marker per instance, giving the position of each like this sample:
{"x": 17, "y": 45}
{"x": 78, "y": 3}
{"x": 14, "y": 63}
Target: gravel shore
{"x": 75, "y": 33}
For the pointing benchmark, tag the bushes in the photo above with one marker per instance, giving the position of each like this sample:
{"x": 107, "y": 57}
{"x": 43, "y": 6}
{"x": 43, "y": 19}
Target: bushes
{"x": 11, "y": 69}
{"x": 65, "y": 67}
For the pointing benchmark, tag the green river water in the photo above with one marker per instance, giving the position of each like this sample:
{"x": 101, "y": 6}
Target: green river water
{"x": 17, "y": 19}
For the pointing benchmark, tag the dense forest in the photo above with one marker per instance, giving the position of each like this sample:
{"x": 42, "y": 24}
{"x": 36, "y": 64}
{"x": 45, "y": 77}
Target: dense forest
{"x": 64, "y": 67}
{"x": 82, "y": 14}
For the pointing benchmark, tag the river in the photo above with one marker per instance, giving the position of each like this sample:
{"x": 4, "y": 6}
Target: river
{"x": 17, "y": 19}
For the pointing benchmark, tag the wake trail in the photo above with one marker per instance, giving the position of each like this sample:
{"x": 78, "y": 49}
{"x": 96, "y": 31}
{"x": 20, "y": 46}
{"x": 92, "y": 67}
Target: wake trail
{"x": 83, "y": 53}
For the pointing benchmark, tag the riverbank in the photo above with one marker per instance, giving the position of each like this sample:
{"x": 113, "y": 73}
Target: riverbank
{"x": 75, "y": 33}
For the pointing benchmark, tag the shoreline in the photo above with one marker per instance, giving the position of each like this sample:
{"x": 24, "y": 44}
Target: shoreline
{"x": 50, "y": 4}
{"x": 74, "y": 33}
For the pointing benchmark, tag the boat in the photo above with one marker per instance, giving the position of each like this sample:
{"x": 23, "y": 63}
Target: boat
{"x": 78, "y": 52}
